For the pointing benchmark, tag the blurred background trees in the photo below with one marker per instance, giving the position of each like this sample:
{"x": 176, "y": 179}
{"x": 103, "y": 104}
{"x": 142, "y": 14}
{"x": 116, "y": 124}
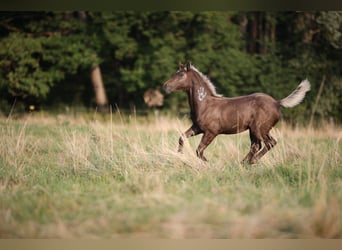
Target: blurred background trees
{"x": 59, "y": 60}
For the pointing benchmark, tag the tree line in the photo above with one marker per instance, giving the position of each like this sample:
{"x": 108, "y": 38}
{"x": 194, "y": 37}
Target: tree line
{"x": 95, "y": 59}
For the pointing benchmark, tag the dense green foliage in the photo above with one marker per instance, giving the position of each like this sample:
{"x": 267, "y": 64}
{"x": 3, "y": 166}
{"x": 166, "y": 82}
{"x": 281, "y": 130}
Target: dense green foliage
{"x": 46, "y": 57}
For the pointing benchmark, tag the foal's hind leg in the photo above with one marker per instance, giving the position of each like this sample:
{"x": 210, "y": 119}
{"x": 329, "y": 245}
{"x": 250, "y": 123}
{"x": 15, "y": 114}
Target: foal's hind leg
{"x": 255, "y": 147}
{"x": 269, "y": 142}
{"x": 193, "y": 130}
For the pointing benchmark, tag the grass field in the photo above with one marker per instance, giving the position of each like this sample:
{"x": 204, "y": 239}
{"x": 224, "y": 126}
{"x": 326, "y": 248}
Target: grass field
{"x": 65, "y": 177}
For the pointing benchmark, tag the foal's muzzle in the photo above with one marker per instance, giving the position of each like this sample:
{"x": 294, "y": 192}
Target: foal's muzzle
{"x": 168, "y": 88}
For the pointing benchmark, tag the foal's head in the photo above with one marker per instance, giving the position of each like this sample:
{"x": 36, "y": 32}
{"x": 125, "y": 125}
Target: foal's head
{"x": 180, "y": 80}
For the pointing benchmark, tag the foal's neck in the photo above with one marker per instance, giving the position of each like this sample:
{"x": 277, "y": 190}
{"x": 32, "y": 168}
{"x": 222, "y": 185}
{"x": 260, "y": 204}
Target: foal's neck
{"x": 198, "y": 95}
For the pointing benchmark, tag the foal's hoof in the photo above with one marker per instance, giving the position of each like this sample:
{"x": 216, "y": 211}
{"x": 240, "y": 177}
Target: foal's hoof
{"x": 203, "y": 158}
{"x": 243, "y": 162}
{"x": 253, "y": 160}
{"x": 248, "y": 162}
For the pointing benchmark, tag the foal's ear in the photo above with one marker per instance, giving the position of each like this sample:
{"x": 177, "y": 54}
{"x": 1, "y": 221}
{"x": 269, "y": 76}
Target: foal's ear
{"x": 180, "y": 65}
{"x": 188, "y": 66}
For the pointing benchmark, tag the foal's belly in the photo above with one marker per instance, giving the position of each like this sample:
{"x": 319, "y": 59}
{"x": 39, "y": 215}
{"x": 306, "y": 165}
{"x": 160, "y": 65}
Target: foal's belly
{"x": 222, "y": 126}
{"x": 233, "y": 130}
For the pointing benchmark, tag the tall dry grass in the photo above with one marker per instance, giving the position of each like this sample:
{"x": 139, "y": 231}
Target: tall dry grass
{"x": 122, "y": 177}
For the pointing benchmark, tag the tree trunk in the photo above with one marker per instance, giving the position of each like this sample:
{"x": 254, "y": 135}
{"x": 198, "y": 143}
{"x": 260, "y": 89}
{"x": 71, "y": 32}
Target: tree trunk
{"x": 260, "y": 33}
{"x": 253, "y": 33}
{"x": 99, "y": 89}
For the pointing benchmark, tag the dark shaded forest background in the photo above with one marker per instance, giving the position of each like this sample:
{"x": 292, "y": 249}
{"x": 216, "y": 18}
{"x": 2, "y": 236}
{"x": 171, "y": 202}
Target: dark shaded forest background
{"x": 52, "y": 59}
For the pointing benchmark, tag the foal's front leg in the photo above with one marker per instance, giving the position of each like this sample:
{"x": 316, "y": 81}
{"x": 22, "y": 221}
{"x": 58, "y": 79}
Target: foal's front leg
{"x": 192, "y": 131}
{"x": 205, "y": 141}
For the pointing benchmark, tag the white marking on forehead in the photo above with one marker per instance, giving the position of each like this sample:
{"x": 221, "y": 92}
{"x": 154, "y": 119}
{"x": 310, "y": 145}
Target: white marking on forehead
{"x": 201, "y": 94}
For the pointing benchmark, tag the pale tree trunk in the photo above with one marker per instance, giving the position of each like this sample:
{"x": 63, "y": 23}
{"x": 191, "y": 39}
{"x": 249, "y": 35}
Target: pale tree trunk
{"x": 99, "y": 89}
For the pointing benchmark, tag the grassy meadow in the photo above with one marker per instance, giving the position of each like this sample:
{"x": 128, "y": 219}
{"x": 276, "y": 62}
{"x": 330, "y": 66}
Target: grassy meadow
{"x": 67, "y": 177}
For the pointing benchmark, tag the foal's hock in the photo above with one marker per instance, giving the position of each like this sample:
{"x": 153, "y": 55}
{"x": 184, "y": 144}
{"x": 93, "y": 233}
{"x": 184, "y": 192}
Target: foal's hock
{"x": 212, "y": 114}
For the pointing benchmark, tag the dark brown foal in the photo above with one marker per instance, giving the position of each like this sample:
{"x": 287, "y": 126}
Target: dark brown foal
{"x": 213, "y": 114}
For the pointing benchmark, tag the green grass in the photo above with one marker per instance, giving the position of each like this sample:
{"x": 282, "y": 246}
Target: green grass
{"x": 122, "y": 177}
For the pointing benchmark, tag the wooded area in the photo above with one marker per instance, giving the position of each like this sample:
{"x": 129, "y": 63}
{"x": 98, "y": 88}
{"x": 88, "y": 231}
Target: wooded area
{"x": 55, "y": 60}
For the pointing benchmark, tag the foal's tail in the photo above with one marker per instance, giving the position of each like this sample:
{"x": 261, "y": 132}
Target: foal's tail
{"x": 296, "y": 96}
